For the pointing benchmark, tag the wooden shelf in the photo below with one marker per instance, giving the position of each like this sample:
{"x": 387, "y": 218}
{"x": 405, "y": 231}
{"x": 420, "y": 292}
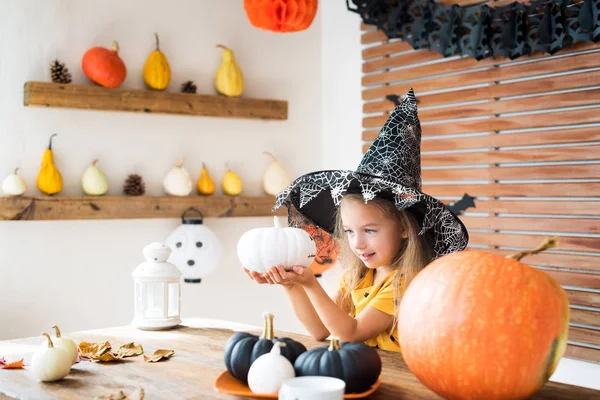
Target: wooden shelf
{"x": 88, "y": 97}
{"x": 130, "y": 207}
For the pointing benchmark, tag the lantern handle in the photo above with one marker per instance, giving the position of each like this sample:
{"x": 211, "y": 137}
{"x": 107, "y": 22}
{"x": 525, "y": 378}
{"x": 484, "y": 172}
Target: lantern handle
{"x": 192, "y": 209}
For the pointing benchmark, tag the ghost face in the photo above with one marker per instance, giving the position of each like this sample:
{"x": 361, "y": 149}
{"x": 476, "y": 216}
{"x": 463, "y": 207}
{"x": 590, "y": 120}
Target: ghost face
{"x": 196, "y": 251}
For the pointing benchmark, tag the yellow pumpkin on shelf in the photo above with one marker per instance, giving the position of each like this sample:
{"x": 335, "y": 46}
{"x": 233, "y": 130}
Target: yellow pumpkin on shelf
{"x": 206, "y": 186}
{"x": 49, "y": 179}
{"x": 229, "y": 80}
{"x": 157, "y": 72}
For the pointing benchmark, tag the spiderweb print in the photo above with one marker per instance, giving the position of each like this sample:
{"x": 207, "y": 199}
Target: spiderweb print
{"x": 392, "y": 164}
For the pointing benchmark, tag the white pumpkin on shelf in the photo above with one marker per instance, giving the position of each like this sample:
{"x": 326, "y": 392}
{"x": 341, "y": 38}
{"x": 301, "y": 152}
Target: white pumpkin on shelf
{"x": 178, "y": 182}
{"x": 276, "y": 177}
{"x": 261, "y": 248}
{"x": 50, "y": 363}
{"x": 14, "y": 184}
{"x": 93, "y": 181}
{"x": 268, "y": 372}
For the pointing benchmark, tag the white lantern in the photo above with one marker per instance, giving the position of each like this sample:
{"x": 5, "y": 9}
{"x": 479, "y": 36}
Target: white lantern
{"x": 196, "y": 250}
{"x": 157, "y": 290}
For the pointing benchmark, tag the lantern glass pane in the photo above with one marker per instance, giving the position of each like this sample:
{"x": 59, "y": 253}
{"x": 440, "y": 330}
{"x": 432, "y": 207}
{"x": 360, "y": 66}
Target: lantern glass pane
{"x": 154, "y": 294}
{"x": 173, "y": 299}
{"x": 138, "y": 298}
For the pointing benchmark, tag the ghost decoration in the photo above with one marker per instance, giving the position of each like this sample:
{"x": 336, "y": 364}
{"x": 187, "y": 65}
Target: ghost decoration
{"x": 195, "y": 249}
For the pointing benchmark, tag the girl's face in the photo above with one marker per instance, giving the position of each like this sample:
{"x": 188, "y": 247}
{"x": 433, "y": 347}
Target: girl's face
{"x": 373, "y": 236}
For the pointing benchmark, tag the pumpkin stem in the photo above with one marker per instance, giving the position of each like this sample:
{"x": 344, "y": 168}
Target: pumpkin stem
{"x": 94, "y": 163}
{"x": 16, "y": 170}
{"x": 157, "y": 41}
{"x": 57, "y": 331}
{"x": 335, "y": 343}
{"x": 115, "y": 45}
{"x": 50, "y": 144}
{"x": 222, "y": 47}
{"x": 50, "y": 344}
{"x": 270, "y": 155}
{"x": 180, "y": 164}
{"x": 268, "y": 330}
{"x": 548, "y": 243}
{"x": 276, "y": 223}
{"x": 277, "y": 348}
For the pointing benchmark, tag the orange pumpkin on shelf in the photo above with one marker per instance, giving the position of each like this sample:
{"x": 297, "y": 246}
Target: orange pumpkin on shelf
{"x": 281, "y": 15}
{"x": 476, "y": 325}
{"x": 327, "y": 249}
{"x": 104, "y": 66}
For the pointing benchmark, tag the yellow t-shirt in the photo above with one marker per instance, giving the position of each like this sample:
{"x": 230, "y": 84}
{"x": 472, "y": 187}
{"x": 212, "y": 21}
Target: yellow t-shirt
{"x": 381, "y": 297}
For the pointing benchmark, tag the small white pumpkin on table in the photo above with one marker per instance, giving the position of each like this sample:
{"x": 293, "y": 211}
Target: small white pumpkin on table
{"x": 268, "y": 372}
{"x": 50, "y": 363}
{"x": 261, "y": 248}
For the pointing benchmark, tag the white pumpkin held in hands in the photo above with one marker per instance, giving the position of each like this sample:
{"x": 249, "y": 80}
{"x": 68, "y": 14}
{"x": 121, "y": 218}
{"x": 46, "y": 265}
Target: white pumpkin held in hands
{"x": 66, "y": 344}
{"x": 14, "y": 185}
{"x": 50, "y": 363}
{"x": 268, "y": 372}
{"x": 93, "y": 181}
{"x": 261, "y": 248}
{"x": 178, "y": 181}
{"x": 276, "y": 177}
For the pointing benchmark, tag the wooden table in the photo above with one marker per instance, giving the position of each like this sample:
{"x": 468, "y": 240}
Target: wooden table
{"x": 191, "y": 372}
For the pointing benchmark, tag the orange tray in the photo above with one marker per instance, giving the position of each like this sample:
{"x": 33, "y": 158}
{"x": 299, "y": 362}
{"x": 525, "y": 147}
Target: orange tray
{"x": 225, "y": 383}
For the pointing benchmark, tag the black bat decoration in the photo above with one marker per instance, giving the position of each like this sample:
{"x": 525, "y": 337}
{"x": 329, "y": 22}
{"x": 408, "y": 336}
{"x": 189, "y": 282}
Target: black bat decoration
{"x": 461, "y": 205}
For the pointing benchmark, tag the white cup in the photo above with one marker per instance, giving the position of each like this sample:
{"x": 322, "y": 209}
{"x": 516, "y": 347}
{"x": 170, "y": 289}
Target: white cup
{"x": 312, "y": 388}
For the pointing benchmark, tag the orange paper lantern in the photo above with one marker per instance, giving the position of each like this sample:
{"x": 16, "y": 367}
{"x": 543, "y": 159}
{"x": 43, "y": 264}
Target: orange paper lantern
{"x": 327, "y": 249}
{"x": 281, "y": 15}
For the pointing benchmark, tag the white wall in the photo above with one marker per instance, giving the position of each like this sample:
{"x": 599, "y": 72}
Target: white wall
{"x": 77, "y": 273}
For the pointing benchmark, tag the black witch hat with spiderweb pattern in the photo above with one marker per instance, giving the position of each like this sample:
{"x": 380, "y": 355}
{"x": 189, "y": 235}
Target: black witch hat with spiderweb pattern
{"x": 391, "y": 168}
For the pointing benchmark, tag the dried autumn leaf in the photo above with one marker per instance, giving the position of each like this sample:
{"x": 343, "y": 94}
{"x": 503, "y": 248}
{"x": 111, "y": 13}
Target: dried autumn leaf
{"x": 108, "y": 357}
{"x": 159, "y": 355}
{"x": 138, "y": 394}
{"x": 94, "y": 350}
{"x": 130, "y": 350}
{"x": 13, "y": 365}
{"x": 2, "y": 361}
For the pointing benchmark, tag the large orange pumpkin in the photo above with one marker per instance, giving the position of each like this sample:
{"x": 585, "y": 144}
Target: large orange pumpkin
{"x": 475, "y": 325}
{"x": 281, "y": 15}
{"x": 104, "y": 66}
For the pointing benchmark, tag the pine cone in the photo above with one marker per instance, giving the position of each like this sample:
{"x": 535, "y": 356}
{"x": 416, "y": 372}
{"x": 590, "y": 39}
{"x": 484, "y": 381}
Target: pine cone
{"x": 134, "y": 185}
{"x": 59, "y": 73}
{"x": 188, "y": 87}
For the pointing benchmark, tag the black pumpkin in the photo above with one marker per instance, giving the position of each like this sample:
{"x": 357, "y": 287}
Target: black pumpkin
{"x": 242, "y": 349}
{"x": 353, "y": 362}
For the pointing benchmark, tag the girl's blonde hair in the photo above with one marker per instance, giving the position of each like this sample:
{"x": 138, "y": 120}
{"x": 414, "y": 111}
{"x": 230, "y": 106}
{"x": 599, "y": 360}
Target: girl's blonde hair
{"x": 414, "y": 253}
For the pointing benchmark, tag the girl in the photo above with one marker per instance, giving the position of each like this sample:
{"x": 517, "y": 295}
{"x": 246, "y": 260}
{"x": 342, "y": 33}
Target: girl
{"x": 387, "y": 228}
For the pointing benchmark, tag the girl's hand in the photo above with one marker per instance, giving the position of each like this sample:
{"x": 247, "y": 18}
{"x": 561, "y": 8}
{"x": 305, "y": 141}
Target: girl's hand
{"x": 255, "y": 276}
{"x": 296, "y": 276}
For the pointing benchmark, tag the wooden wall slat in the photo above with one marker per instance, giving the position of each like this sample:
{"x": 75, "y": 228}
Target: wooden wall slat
{"x": 413, "y": 71}
{"x": 590, "y": 171}
{"x": 591, "y": 208}
{"x": 571, "y": 225}
{"x": 386, "y": 49}
{"x": 558, "y": 136}
{"x": 574, "y": 153}
{"x": 587, "y": 263}
{"x": 588, "y": 336}
{"x": 540, "y": 120}
{"x": 569, "y": 243}
{"x": 589, "y": 281}
{"x": 456, "y": 174}
{"x": 419, "y": 56}
{"x": 581, "y": 298}
{"x": 586, "y": 317}
{"x": 517, "y": 189}
{"x": 472, "y": 142}
{"x": 584, "y": 353}
{"x": 474, "y": 222}
{"x": 373, "y": 36}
